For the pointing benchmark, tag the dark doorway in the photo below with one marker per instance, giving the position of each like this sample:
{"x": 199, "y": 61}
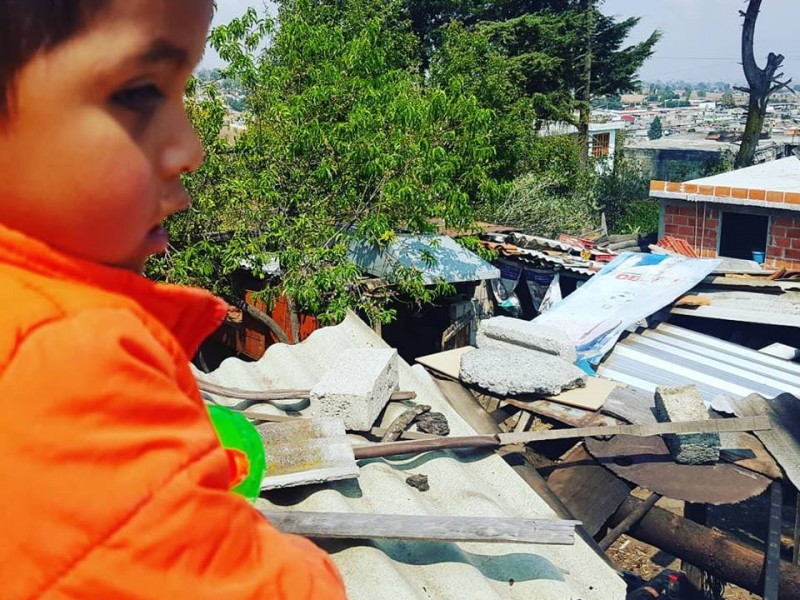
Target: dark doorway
{"x": 743, "y": 234}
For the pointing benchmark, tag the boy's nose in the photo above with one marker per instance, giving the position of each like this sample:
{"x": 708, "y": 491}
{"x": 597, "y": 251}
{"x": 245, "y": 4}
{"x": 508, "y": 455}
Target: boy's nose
{"x": 183, "y": 152}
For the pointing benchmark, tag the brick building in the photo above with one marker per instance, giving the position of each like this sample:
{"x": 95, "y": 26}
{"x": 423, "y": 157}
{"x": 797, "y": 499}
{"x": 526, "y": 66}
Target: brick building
{"x": 740, "y": 214}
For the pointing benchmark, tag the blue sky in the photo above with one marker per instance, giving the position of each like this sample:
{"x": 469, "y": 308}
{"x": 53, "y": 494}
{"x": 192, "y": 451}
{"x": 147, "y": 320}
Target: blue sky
{"x": 701, "y": 38}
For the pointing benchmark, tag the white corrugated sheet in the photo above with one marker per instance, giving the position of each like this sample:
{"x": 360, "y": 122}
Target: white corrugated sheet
{"x": 673, "y": 356}
{"x": 468, "y": 484}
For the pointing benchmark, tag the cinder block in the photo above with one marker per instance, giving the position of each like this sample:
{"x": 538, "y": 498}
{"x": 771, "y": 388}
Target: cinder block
{"x": 357, "y": 387}
{"x": 676, "y": 404}
{"x": 507, "y": 332}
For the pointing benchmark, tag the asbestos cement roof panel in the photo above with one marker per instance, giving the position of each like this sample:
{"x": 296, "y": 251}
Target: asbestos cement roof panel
{"x": 461, "y": 483}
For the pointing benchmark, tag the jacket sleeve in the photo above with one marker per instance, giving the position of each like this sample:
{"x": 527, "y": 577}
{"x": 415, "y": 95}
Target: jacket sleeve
{"x": 118, "y": 487}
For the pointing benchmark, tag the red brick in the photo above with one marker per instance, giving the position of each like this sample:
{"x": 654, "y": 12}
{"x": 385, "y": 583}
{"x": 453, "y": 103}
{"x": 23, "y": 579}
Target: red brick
{"x": 686, "y": 232}
{"x": 779, "y": 231}
{"x": 791, "y": 254}
{"x": 782, "y": 221}
{"x": 793, "y": 232}
{"x": 795, "y": 243}
{"x": 678, "y": 220}
{"x": 781, "y": 242}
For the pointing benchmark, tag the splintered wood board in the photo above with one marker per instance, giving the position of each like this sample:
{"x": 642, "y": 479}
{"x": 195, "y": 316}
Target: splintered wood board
{"x": 590, "y": 397}
{"x": 448, "y": 363}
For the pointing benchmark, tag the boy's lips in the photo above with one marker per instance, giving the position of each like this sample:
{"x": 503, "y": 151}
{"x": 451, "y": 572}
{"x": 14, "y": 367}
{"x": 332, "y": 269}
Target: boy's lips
{"x": 157, "y": 240}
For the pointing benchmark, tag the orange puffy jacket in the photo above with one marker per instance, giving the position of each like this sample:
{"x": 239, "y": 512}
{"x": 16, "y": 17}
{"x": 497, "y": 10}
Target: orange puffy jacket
{"x": 112, "y": 482}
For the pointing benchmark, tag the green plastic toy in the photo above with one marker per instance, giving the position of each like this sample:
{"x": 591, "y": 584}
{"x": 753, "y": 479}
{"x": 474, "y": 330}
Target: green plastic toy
{"x": 235, "y": 432}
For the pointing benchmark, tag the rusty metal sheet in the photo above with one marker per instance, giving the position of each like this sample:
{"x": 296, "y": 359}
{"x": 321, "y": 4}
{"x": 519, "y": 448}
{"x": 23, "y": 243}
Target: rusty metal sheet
{"x": 648, "y": 463}
{"x": 783, "y": 440}
{"x": 591, "y": 493}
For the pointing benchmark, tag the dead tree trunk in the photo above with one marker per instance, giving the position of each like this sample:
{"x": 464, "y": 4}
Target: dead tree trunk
{"x": 762, "y": 83}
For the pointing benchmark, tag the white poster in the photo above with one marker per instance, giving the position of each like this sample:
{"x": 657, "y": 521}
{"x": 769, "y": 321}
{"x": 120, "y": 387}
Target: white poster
{"x": 628, "y": 289}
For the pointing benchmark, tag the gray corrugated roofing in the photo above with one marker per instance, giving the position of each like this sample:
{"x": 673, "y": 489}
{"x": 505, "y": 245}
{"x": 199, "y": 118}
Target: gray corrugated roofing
{"x": 437, "y": 257}
{"x": 670, "y": 355}
{"x": 461, "y": 484}
{"x": 747, "y": 307}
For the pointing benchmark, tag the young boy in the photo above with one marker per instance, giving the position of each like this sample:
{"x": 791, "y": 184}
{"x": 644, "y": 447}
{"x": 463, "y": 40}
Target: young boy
{"x": 113, "y": 483}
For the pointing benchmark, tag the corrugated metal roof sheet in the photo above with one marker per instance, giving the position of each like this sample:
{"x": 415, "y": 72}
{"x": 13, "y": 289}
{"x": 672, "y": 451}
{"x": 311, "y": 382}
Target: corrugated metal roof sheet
{"x": 562, "y": 261}
{"x": 461, "y": 484}
{"x": 670, "y": 355}
{"x": 437, "y": 257}
{"x": 747, "y": 307}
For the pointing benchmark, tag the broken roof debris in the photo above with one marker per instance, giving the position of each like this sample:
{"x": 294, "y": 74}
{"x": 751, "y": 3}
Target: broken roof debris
{"x": 475, "y": 487}
{"x": 599, "y": 322}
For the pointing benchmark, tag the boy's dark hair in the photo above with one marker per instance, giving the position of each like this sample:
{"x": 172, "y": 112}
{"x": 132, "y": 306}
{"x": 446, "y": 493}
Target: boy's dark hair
{"x": 28, "y": 27}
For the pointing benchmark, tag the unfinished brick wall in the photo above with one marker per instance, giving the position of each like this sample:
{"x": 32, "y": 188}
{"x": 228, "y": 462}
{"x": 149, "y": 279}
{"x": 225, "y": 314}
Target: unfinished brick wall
{"x": 784, "y": 242}
{"x": 697, "y": 223}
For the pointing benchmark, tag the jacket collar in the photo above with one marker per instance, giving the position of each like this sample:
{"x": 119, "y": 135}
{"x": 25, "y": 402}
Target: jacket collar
{"x": 191, "y": 314}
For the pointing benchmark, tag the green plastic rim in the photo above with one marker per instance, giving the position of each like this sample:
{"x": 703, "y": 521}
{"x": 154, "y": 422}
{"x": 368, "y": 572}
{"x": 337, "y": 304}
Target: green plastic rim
{"x": 235, "y": 432}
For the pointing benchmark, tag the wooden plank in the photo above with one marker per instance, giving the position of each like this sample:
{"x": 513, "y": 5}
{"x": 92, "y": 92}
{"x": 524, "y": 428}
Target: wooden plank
{"x": 591, "y": 397}
{"x": 630, "y": 404}
{"x": 423, "y": 527}
{"x": 569, "y": 415}
{"x": 590, "y": 492}
{"x": 447, "y": 363}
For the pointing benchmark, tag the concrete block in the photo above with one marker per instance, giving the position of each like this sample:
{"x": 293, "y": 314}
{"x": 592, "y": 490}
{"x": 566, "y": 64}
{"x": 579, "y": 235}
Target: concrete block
{"x": 357, "y": 387}
{"x": 675, "y": 404}
{"x": 518, "y": 371}
{"x": 502, "y": 332}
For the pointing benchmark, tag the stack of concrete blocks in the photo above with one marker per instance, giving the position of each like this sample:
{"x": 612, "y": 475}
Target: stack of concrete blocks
{"x": 515, "y": 356}
{"x": 677, "y": 404}
{"x": 357, "y": 387}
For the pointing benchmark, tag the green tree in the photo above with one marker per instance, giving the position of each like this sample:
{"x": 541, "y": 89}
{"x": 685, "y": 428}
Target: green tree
{"x": 727, "y": 101}
{"x": 555, "y": 196}
{"x": 542, "y": 38}
{"x": 343, "y": 144}
{"x": 655, "y": 131}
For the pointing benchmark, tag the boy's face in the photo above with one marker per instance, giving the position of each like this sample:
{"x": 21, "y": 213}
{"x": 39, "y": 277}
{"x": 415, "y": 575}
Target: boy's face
{"x": 91, "y": 156}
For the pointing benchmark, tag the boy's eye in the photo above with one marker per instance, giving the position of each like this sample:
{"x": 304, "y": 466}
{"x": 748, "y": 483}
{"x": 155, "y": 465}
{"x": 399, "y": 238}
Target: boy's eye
{"x": 142, "y": 99}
